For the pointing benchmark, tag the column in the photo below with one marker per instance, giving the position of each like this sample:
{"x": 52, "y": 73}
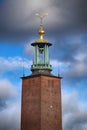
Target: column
{"x": 37, "y": 55}
{"x": 46, "y": 55}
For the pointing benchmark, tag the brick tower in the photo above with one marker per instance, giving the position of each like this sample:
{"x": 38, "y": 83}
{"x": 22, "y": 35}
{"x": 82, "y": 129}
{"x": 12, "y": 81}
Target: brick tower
{"x": 41, "y": 91}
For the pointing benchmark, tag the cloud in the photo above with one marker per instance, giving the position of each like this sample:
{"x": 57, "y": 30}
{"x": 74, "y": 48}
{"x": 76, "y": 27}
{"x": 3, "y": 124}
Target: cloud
{"x": 10, "y": 117}
{"x": 77, "y": 69}
{"x": 13, "y": 63}
{"x": 71, "y": 54}
{"x": 28, "y": 49}
{"x": 3, "y": 105}
{"x": 7, "y": 89}
{"x": 9, "y": 106}
{"x": 17, "y": 17}
{"x": 74, "y": 112}
{"x": 16, "y": 63}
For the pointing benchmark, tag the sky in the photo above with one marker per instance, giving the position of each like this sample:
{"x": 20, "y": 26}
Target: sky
{"x": 66, "y": 29}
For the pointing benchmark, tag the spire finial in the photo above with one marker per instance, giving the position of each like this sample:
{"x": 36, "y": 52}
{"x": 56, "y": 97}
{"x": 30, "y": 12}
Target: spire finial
{"x": 41, "y": 31}
{"x": 41, "y": 18}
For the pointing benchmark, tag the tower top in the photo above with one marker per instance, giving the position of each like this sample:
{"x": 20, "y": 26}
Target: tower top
{"x": 41, "y": 31}
{"x": 41, "y": 62}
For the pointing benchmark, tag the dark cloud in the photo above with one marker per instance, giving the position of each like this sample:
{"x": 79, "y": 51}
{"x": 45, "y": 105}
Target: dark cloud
{"x": 2, "y": 104}
{"x": 73, "y": 13}
{"x": 17, "y": 18}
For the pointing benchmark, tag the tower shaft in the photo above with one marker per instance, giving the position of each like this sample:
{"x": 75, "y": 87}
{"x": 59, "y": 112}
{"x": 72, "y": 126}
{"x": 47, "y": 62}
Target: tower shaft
{"x": 41, "y": 103}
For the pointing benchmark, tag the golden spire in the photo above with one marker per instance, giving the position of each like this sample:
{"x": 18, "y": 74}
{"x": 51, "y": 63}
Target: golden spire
{"x": 41, "y": 31}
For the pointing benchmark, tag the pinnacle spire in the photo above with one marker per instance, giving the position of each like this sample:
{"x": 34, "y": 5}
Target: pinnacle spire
{"x": 41, "y": 31}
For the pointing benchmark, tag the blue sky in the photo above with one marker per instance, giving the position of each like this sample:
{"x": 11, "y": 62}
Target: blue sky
{"x": 66, "y": 29}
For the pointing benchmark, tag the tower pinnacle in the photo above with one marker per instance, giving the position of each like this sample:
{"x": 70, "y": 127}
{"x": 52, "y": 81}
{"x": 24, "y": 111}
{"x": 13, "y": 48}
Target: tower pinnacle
{"x": 41, "y": 62}
{"x": 41, "y": 31}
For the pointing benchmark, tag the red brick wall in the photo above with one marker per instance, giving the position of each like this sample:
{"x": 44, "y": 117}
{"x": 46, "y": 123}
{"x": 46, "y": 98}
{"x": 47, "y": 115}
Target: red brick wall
{"x": 41, "y": 103}
{"x": 50, "y": 103}
{"x": 30, "y": 115}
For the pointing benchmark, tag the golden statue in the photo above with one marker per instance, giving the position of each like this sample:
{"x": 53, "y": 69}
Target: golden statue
{"x": 41, "y": 17}
{"x": 41, "y": 31}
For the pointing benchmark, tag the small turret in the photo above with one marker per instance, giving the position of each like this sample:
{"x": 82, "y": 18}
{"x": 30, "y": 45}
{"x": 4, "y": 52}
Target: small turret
{"x": 41, "y": 63}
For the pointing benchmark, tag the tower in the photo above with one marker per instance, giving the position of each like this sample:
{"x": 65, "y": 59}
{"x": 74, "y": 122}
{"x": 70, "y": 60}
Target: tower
{"x": 41, "y": 91}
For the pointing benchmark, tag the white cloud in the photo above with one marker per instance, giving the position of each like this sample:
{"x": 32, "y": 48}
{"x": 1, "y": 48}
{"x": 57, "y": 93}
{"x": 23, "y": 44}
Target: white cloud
{"x": 56, "y": 63}
{"x": 81, "y": 56}
{"x": 10, "y": 106}
{"x": 28, "y": 49}
{"x": 78, "y": 67}
{"x": 12, "y": 63}
{"x": 74, "y": 114}
{"x": 10, "y": 117}
{"x": 7, "y": 89}
{"x": 76, "y": 70}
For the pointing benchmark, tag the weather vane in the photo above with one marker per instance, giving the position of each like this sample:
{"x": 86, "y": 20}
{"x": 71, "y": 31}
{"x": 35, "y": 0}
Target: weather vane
{"x": 41, "y": 17}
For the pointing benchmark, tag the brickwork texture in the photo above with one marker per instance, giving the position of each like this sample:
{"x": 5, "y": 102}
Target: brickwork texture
{"x": 41, "y": 103}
